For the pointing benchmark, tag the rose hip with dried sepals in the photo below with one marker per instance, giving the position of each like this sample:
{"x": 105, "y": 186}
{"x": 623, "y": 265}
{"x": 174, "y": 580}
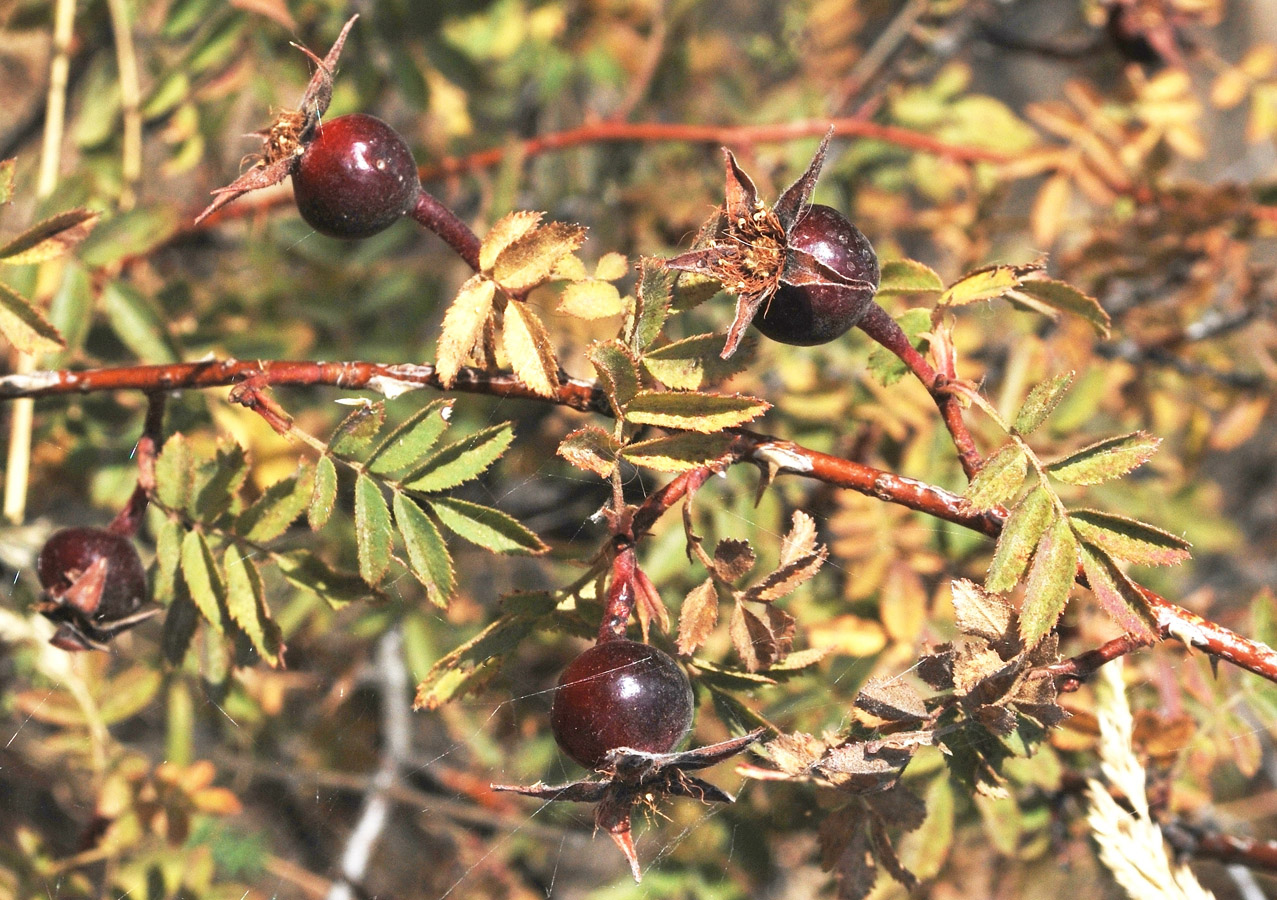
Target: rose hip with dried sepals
{"x": 94, "y": 587}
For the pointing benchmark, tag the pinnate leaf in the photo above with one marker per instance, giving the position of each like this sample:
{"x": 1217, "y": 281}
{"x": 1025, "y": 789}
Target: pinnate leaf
{"x": 355, "y": 432}
{"x": 372, "y": 530}
{"x": 652, "y": 303}
{"x": 618, "y": 371}
{"x": 529, "y": 349}
{"x": 506, "y": 231}
{"x": 1117, "y": 594}
{"x": 983, "y": 284}
{"x": 277, "y": 507}
{"x": 428, "y": 556}
{"x": 697, "y": 618}
{"x": 246, "y": 606}
{"x": 1050, "y": 579}
{"x": 1064, "y": 297}
{"x": 199, "y": 571}
{"x": 693, "y": 410}
{"x": 487, "y": 527}
{"x": 999, "y": 479}
{"x": 324, "y": 496}
{"x": 24, "y": 326}
{"x": 1105, "y": 460}
{"x": 590, "y": 299}
{"x": 1129, "y": 539}
{"x": 50, "y": 238}
{"x": 529, "y": 260}
{"x": 1041, "y": 402}
{"x": 677, "y": 452}
{"x": 462, "y": 326}
{"x": 907, "y": 276}
{"x": 412, "y": 440}
{"x": 694, "y": 363}
{"x": 462, "y": 460}
{"x": 1023, "y": 530}
{"x": 592, "y": 449}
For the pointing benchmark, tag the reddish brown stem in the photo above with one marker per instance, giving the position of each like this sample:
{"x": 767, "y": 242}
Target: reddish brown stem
{"x": 717, "y": 135}
{"x": 882, "y": 328}
{"x": 620, "y": 594}
{"x": 129, "y": 519}
{"x": 430, "y": 213}
{"x": 1199, "y": 843}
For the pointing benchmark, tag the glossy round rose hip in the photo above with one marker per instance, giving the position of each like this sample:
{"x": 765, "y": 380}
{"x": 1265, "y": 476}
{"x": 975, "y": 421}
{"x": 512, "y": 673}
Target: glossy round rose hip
{"x": 68, "y": 554}
{"x": 356, "y": 178}
{"x": 816, "y": 314}
{"x": 620, "y": 694}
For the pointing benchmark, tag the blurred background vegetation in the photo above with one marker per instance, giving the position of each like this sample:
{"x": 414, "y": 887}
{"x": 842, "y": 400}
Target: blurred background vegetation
{"x": 1137, "y": 159}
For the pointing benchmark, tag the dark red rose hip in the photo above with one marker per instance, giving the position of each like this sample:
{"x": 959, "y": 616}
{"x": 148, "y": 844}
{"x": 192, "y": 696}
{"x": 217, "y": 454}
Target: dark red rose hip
{"x": 816, "y": 314}
{"x": 356, "y": 178}
{"x": 620, "y": 694}
{"x": 95, "y": 586}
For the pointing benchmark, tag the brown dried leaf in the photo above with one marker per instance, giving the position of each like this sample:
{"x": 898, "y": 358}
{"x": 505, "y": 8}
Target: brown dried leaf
{"x": 891, "y": 699}
{"x": 529, "y": 349}
{"x": 50, "y": 238}
{"x": 787, "y": 578}
{"x": 463, "y": 326}
{"x": 698, "y": 617}
{"x": 733, "y": 558}
{"x": 795, "y": 754}
{"x": 980, "y": 613}
{"x": 592, "y": 449}
{"x": 801, "y": 539}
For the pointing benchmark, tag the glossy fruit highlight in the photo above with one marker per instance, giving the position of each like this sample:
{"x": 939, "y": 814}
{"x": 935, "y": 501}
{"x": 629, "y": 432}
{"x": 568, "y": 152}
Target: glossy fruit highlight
{"x": 355, "y": 178}
{"x": 620, "y": 694}
{"x": 816, "y": 314}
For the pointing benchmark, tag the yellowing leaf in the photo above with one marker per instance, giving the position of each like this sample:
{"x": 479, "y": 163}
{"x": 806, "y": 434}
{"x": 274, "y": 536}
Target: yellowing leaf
{"x": 611, "y": 266}
{"x": 462, "y": 326}
{"x": 982, "y": 284}
{"x": 530, "y": 259}
{"x": 529, "y": 349}
{"x": 505, "y": 232}
{"x": 693, "y": 411}
{"x": 592, "y": 449}
{"x": 617, "y": 368}
{"x": 1041, "y": 402}
{"x": 907, "y": 276}
{"x": 590, "y": 300}
{"x": 1129, "y": 539}
{"x": 24, "y": 326}
{"x": 1049, "y": 209}
{"x": 677, "y": 452}
{"x": 50, "y": 238}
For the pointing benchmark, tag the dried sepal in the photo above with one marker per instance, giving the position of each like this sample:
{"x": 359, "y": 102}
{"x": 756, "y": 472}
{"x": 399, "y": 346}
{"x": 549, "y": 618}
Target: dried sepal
{"x": 285, "y": 139}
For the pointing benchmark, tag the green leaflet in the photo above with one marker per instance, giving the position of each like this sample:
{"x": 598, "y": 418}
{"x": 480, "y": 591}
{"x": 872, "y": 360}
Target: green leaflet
{"x": 652, "y": 304}
{"x": 168, "y": 558}
{"x": 411, "y": 441}
{"x": 462, "y": 460}
{"x": 1025, "y": 526}
{"x": 677, "y": 452}
{"x": 199, "y": 571}
{"x": 372, "y": 530}
{"x": 173, "y": 473}
{"x": 1105, "y": 460}
{"x": 216, "y": 482}
{"x": 907, "y": 276}
{"x": 1129, "y": 539}
{"x": 324, "y": 495}
{"x": 693, "y": 411}
{"x": 487, "y": 527}
{"x": 246, "y": 606}
{"x": 618, "y": 371}
{"x": 306, "y": 571}
{"x": 999, "y": 479}
{"x": 356, "y": 431}
{"x": 1066, "y": 298}
{"x": 1050, "y": 580}
{"x": 180, "y": 621}
{"x": 277, "y": 507}
{"x": 694, "y": 363}
{"x": 427, "y": 554}
{"x": 1041, "y": 402}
